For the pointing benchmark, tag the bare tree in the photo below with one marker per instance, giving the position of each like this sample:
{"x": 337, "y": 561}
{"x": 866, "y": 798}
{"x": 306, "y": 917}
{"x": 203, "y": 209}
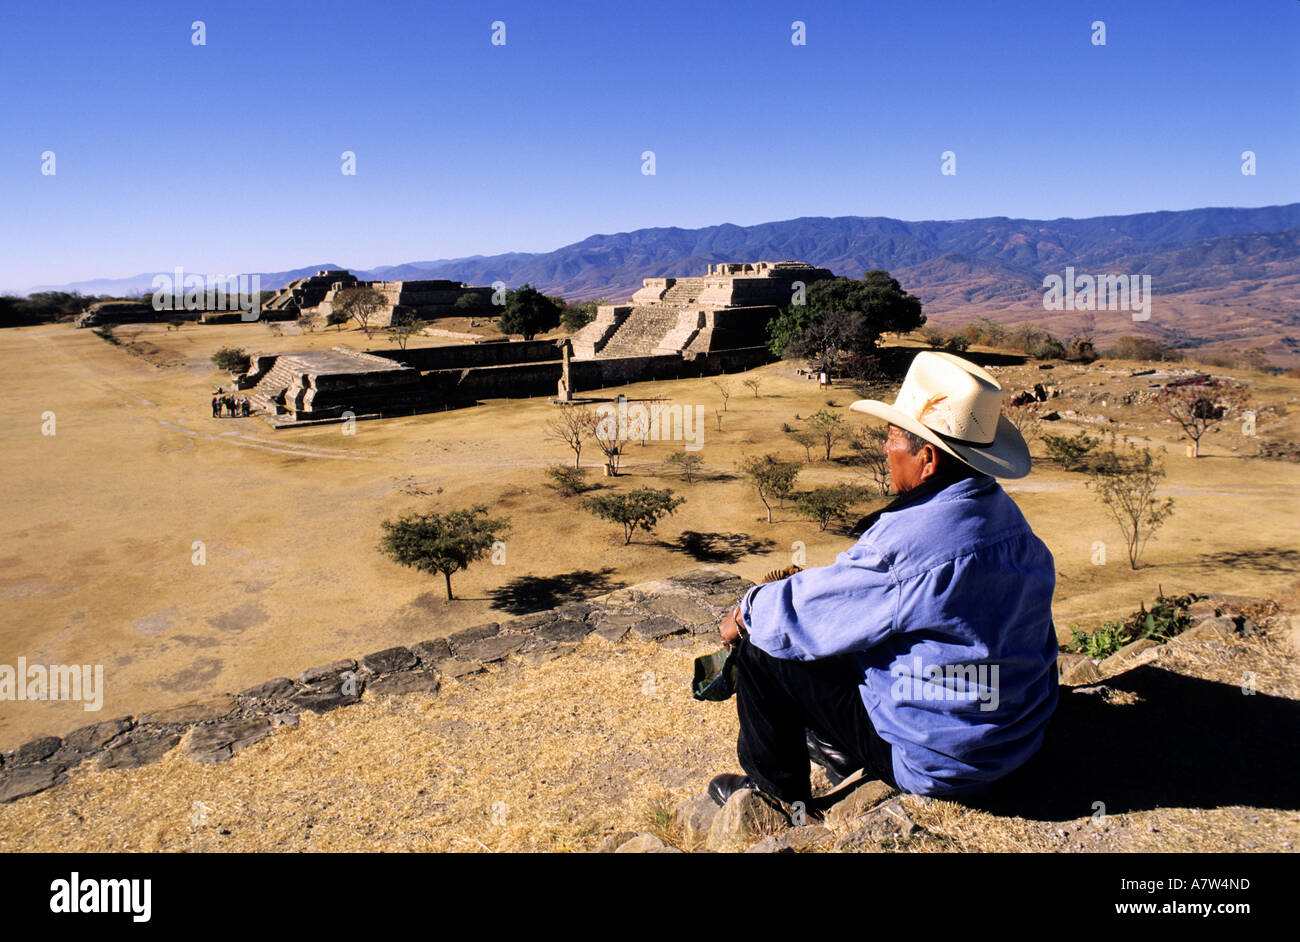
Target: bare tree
{"x": 725, "y": 390}
{"x": 689, "y": 462}
{"x": 404, "y": 328}
{"x": 1126, "y": 484}
{"x": 572, "y": 425}
{"x": 753, "y": 383}
{"x": 360, "y": 304}
{"x": 308, "y": 321}
{"x": 1027, "y": 420}
{"x": 869, "y": 458}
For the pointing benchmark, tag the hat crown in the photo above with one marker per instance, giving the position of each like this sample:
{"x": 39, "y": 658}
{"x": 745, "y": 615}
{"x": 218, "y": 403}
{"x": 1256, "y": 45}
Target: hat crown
{"x": 951, "y": 396}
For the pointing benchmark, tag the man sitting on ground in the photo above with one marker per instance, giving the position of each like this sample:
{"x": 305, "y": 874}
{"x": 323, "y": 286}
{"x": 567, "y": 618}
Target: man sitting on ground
{"x": 925, "y": 655}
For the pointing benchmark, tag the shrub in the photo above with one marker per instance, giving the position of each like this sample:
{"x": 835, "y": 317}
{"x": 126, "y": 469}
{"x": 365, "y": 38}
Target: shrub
{"x": 1071, "y": 452}
{"x": 568, "y": 481}
{"x": 442, "y": 543}
{"x": 828, "y": 503}
{"x": 1167, "y": 618}
{"x": 1126, "y": 484}
{"x": 633, "y": 510}
{"x": 233, "y": 359}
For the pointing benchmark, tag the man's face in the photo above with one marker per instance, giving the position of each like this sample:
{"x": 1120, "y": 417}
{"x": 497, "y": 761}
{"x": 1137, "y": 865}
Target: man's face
{"x": 906, "y": 470}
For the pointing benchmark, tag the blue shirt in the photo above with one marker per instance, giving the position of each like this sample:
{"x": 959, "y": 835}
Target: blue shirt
{"x": 946, "y": 604}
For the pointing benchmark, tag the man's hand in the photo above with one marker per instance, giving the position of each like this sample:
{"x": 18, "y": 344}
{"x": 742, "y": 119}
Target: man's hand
{"x": 732, "y": 627}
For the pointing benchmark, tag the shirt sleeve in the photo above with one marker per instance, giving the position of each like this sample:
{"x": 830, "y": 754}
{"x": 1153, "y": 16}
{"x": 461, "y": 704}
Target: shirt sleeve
{"x": 842, "y": 608}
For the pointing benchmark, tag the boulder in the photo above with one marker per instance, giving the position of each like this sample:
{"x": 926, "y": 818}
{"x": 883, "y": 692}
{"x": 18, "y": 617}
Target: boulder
{"x": 431, "y": 652}
{"x": 808, "y": 839}
{"x": 278, "y": 688}
{"x": 18, "y": 783}
{"x": 747, "y": 816}
{"x": 219, "y": 741}
{"x": 1081, "y": 674}
{"x": 487, "y": 650}
{"x": 315, "y": 675}
{"x": 34, "y": 751}
{"x": 389, "y": 660}
{"x": 613, "y": 842}
{"x": 642, "y": 844}
{"x": 693, "y": 817}
{"x": 92, "y": 738}
{"x": 400, "y": 684}
{"x": 137, "y": 747}
{"x": 882, "y": 828}
{"x": 1209, "y": 629}
{"x": 842, "y": 815}
{"x": 1129, "y": 656}
{"x": 457, "y": 668}
{"x": 658, "y": 627}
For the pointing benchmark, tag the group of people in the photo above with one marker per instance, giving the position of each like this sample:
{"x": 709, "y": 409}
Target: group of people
{"x": 233, "y": 407}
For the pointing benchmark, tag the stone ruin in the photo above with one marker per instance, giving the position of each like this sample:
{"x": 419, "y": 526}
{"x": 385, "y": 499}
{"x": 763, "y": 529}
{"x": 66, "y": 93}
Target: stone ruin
{"x": 302, "y": 387}
{"x": 427, "y": 300}
{"x": 725, "y": 309}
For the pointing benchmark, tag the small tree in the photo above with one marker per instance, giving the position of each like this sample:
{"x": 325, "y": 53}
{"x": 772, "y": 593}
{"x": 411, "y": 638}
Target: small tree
{"x": 1027, "y": 420}
{"x": 752, "y": 383}
{"x": 805, "y": 437}
{"x": 528, "y": 312}
{"x": 771, "y": 477}
{"x": 1200, "y": 405}
{"x": 308, "y": 321}
{"x": 442, "y": 543}
{"x": 1126, "y": 484}
{"x": 1071, "y": 452}
{"x": 828, "y": 427}
{"x": 633, "y": 510}
{"x": 233, "y": 359}
{"x": 611, "y": 446}
{"x": 724, "y": 390}
{"x": 337, "y": 319}
{"x": 404, "y": 328}
{"x": 689, "y": 462}
{"x": 869, "y": 457}
{"x": 825, "y": 504}
{"x": 361, "y": 305}
{"x": 568, "y": 481}
{"x": 573, "y": 425}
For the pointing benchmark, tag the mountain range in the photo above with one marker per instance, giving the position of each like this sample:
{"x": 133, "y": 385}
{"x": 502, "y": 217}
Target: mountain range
{"x": 1219, "y": 275}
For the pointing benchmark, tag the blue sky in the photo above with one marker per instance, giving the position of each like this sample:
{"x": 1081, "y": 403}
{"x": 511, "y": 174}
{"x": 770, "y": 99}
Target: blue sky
{"x": 226, "y": 157}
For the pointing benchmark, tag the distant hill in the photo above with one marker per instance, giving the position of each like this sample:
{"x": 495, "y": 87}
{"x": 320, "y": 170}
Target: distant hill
{"x": 1218, "y": 274}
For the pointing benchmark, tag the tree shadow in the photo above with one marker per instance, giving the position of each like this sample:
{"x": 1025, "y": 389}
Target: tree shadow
{"x": 526, "y": 594}
{"x": 1260, "y": 560}
{"x": 719, "y": 547}
{"x": 1185, "y": 743}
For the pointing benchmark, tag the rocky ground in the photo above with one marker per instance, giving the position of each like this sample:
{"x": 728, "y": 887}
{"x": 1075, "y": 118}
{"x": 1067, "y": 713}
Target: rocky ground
{"x": 574, "y": 731}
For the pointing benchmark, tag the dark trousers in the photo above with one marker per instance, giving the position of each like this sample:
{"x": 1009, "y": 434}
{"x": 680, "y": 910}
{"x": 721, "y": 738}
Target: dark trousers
{"x": 777, "y": 700}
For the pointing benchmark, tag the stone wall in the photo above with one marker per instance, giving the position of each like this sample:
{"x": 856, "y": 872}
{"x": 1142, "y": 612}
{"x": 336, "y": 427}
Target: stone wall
{"x": 477, "y": 354}
{"x": 215, "y": 729}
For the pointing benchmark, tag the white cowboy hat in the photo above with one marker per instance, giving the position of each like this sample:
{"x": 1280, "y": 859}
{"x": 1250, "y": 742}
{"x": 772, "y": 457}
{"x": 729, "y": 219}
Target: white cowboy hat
{"x": 956, "y": 406}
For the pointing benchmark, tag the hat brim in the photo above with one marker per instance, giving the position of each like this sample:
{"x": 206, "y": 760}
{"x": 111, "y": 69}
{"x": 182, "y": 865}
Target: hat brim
{"x": 1007, "y": 457}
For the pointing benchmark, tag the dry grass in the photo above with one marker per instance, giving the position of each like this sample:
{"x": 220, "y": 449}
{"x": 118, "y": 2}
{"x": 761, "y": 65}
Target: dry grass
{"x": 553, "y": 756}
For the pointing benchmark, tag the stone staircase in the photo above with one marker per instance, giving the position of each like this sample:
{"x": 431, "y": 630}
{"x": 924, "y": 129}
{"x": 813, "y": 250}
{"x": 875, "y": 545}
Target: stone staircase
{"x": 641, "y": 334}
{"x": 268, "y": 394}
{"x": 684, "y": 291}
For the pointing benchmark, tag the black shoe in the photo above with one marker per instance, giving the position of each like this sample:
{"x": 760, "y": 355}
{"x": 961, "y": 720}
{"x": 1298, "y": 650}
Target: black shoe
{"x": 837, "y": 764}
{"x": 723, "y": 787}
